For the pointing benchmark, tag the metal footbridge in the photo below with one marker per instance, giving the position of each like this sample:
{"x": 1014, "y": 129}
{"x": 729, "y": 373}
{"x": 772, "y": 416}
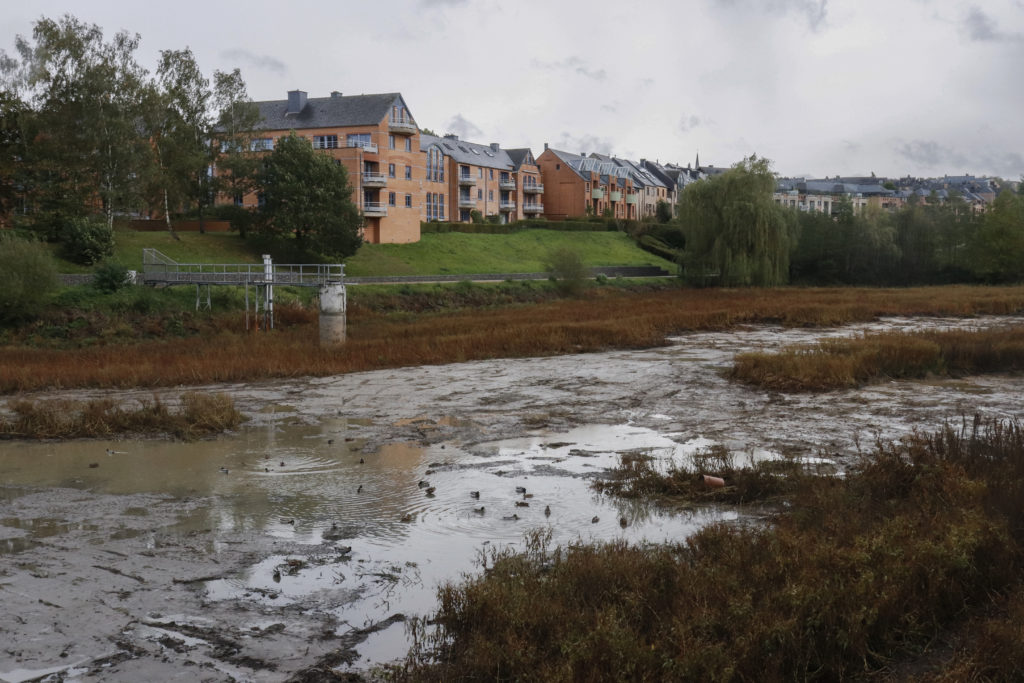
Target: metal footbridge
{"x": 159, "y": 270}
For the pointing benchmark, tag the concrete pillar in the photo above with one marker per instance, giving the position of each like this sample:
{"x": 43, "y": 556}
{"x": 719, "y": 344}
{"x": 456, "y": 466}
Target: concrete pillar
{"x": 332, "y": 314}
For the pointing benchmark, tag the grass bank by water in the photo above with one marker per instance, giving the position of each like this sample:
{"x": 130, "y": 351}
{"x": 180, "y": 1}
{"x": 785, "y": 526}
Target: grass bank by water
{"x": 846, "y": 363}
{"x": 604, "y": 318}
{"x": 196, "y": 415}
{"x": 859, "y": 576}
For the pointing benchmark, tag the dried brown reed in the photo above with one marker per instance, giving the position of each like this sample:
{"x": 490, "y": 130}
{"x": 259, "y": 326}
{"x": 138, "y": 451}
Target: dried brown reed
{"x": 844, "y": 363}
{"x": 604, "y": 319}
{"x": 198, "y": 415}
{"x": 859, "y": 574}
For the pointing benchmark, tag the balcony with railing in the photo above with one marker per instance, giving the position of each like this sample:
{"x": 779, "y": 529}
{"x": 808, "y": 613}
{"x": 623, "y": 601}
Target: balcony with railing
{"x": 533, "y": 188}
{"x": 377, "y": 209}
{"x": 466, "y": 180}
{"x": 467, "y": 203}
{"x": 370, "y": 147}
{"x": 632, "y": 198}
{"x": 507, "y": 183}
{"x": 615, "y": 196}
{"x": 533, "y": 207}
{"x": 597, "y": 193}
{"x": 402, "y": 125}
{"x": 507, "y": 206}
{"x": 374, "y": 180}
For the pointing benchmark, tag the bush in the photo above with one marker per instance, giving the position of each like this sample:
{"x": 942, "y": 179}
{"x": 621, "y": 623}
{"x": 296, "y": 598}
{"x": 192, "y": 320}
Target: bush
{"x": 110, "y": 277}
{"x": 567, "y": 269}
{"x": 27, "y": 277}
{"x": 87, "y": 240}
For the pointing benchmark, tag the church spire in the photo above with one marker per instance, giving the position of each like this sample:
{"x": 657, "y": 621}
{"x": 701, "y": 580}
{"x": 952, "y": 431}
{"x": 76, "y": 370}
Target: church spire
{"x": 697, "y": 163}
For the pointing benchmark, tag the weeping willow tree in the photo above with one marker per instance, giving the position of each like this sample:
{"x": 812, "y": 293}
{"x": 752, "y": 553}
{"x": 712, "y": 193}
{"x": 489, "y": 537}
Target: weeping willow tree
{"x": 736, "y": 235}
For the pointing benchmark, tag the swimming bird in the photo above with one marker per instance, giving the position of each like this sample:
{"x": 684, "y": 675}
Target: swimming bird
{"x": 225, "y": 470}
{"x": 430, "y": 490}
{"x": 522, "y": 504}
{"x": 423, "y": 483}
{"x": 474, "y": 494}
{"x": 407, "y": 517}
{"x": 330, "y": 441}
{"x": 595, "y": 520}
{"x": 511, "y": 518}
{"x": 547, "y": 510}
{"x": 479, "y": 510}
{"x": 282, "y": 463}
{"x": 360, "y": 489}
{"x": 361, "y": 461}
{"x": 94, "y": 465}
{"x": 623, "y": 522}
{"x": 520, "y": 489}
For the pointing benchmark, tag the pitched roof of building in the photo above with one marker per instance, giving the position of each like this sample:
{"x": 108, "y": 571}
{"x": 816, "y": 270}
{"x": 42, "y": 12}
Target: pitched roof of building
{"x": 336, "y": 111}
{"x": 469, "y": 152}
{"x": 520, "y": 156}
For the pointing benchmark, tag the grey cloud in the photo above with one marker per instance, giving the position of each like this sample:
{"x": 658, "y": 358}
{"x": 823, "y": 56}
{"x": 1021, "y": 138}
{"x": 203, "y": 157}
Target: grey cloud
{"x": 688, "y": 123}
{"x": 583, "y": 143}
{"x": 931, "y": 154}
{"x": 264, "y": 62}
{"x": 1008, "y": 165}
{"x": 815, "y": 11}
{"x": 463, "y": 127}
{"x": 613, "y": 108}
{"x": 980, "y": 27}
{"x": 574, "y": 64}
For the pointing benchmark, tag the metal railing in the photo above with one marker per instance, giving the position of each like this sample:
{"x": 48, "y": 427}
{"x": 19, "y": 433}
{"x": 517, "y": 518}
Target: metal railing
{"x": 374, "y": 179}
{"x": 375, "y": 209}
{"x": 507, "y": 184}
{"x": 535, "y": 187}
{"x": 466, "y": 179}
{"x": 402, "y": 125}
{"x": 158, "y": 269}
{"x": 533, "y": 208}
{"x": 366, "y": 146}
{"x": 507, "y": 206}
{"x": 467, "y": 203}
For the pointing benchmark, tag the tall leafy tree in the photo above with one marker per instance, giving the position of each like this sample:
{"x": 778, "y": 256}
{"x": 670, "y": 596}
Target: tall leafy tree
{"x": 86, "y": 93}
{"x": 307, "y": 195}
{"x": 180, "y": 126}
{"x": 736, "y": 235}
{"x": 997, "y": 250}
{"x": 237, "y": 120}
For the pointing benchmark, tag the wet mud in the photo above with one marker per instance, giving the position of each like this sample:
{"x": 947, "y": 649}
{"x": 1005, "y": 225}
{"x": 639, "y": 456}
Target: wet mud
{"x": 308, "y": 539}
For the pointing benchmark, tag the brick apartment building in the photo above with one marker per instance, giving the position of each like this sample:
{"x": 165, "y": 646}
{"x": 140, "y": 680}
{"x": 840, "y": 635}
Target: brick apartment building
{"x": 576, "y": 185}
{"x": 377, "y": 140}
{"x": 462, "y": 177}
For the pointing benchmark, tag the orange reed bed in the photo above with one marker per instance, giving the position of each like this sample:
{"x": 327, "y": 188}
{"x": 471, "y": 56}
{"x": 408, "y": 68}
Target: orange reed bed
{"x": 604, "y": 319}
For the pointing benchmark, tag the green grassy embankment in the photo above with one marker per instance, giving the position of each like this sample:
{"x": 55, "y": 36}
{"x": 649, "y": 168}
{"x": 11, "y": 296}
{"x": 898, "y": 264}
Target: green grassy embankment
{"x": 443, "y": 254}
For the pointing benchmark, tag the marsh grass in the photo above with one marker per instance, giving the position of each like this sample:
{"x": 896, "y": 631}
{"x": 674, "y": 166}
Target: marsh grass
{"x": 762, "y": 481}
{"x": 847, "y": 363}
{"x": 196, "y": 415}
{"x": 603, "y": 318}
{"x": 856, "y": 577}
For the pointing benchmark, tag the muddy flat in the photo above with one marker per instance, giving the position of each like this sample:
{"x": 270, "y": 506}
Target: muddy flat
{"x": 310, "y": 536}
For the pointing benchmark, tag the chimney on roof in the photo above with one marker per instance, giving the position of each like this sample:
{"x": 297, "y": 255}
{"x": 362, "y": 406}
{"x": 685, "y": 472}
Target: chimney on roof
{"x": 494, "y": 146}
{"x": 296, "y": 101}
{"x": 451, "y": 136}
{"x": 335, "y": 93}
{"x": 545, "y": 146}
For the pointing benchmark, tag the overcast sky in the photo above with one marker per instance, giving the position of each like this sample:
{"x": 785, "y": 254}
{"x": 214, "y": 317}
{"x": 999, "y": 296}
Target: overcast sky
{"x": 821, "y": 87}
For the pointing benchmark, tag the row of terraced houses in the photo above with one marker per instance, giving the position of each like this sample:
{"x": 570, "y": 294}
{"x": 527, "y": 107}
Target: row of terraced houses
{"x": 402, "y": 176}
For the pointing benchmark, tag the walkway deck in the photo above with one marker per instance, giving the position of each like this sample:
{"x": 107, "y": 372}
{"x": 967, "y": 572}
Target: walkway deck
{"x": 158, "y": 269}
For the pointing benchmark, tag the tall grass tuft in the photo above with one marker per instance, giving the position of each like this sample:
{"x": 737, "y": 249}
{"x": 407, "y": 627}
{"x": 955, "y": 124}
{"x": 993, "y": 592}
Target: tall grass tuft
{"x": 846, "y": 363}
{"x": 198, "y": 415}
{"x": 856, "y": 577}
